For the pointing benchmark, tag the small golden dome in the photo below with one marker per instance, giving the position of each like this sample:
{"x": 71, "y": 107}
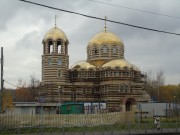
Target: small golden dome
{"x": 120, "y": 63}
{"x": 54, "y": 34}
{"x": 82, "y": 65}
{"x": 104, "y": 38}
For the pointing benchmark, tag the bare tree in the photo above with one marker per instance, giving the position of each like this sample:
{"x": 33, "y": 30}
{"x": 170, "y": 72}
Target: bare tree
{"x": 160, "y": 80}
{"x": 34, "y": 86}
{"x": 21, "y": 83}
{"x": 33, "y": 81}
{"x": 154, "y": 84}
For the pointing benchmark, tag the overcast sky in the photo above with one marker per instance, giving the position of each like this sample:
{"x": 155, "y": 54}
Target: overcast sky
{"x": 23, "y": 26}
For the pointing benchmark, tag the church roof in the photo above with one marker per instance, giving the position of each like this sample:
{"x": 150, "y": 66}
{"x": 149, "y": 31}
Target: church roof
{"x": 82, "y": 65}
{"x": 55, "y": 34}
{"x": 120, "y": 63}
{"x": 104, "y": 38}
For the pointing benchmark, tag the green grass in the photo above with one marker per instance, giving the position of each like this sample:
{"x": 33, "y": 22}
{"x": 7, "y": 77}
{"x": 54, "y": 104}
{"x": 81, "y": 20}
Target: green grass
{"x": 146, "y": 124}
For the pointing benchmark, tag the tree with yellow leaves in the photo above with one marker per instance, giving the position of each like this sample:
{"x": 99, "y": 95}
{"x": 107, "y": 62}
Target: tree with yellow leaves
{"x": 7, "y": 101}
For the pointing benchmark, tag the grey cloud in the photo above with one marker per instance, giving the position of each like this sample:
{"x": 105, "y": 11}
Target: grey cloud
{"x": 28, "y": 41}
{"x": 146, "y": 49}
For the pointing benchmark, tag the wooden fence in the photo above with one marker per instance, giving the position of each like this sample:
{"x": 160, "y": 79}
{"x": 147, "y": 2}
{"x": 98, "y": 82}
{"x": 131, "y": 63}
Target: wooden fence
{"x": 66, "y": 120}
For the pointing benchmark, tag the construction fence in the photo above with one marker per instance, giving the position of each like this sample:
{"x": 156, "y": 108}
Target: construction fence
{"x": 69, "y": 120}
{"x": 85, "y": 124}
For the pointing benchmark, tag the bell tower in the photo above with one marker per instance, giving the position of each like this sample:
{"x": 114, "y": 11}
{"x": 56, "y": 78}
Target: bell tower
{"x": 55, "y": 58}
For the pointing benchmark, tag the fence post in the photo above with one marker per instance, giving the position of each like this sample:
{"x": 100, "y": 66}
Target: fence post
{"x": 19, "y": 131}
{"x": 112, "y": 130}
{"x": 83, "y": 129}
{"x": 161, "y": 127}
{"x": 63, "y": 130}
{"x": 176, "y": 126}
{"x": 145, "y": 125}
{"x": 129, "y": 127}
{"x": 102, "y": 129}
{"x": 41, "y": 130}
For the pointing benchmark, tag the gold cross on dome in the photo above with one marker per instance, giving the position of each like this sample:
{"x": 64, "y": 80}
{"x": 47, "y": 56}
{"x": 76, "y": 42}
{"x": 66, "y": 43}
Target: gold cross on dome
{"x": 105, "y": 27}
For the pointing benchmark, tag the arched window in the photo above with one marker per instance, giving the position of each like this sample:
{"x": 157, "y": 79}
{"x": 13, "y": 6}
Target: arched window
{"x": 49, "y": 61}
{"x": 59, "y": 46}
{"x": 59, "y": 73}
{"x": 126, "y": 89}
{"x": 122, "y": 88}
{"x": 116, "y": 73}
{"x": 114, "y": 50}
{"x": 96, "y": 50}
{"x": 104, "y": 49}
{"x": 59, "y": 61}
{"x": 50, "y": 46}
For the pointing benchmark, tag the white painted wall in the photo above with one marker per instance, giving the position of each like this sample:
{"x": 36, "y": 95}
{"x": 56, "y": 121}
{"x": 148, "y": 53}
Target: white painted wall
{"x": 161, "y": 109}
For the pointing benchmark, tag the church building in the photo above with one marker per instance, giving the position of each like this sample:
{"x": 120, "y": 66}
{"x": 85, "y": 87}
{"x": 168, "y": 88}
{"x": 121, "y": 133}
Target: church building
{"x": 105, "y": 76}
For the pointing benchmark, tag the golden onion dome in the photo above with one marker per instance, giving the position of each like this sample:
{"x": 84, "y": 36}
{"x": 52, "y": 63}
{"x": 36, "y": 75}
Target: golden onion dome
{"x": 55, "y": 34}
{"x": 82, "y": 65}
{"x": 120, "y": 63}
{"x": 104, "y": 38}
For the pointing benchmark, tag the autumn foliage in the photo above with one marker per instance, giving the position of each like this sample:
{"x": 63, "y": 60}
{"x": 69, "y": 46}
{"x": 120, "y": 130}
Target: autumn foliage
{"x": 169, "y": 93}
{"x": 7, "y": 100}
{"x": 159, "y": 91}
{"x": 27, "y": 93}
{"x": 23, "y": 95}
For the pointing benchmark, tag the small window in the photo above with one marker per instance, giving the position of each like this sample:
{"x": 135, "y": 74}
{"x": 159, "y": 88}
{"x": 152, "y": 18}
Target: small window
{"x": 59, "y": 45}
{"x": 104, "y": 49}
{"x": 114, "y": 50}
{"x": 49, "y": 61}
{"x": 95, "y": 51}
{"x": 50, "y": 44}
{"x": 126, "y": 88}
{"x": 59, "y": 61}
{"x": 59, "y": 73}
{"x": 116, "y": 73}
{"x": 122, "y": 88}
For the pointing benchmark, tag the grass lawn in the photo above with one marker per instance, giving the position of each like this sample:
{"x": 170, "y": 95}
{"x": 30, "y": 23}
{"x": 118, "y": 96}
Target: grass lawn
{"x": 145, "y": 124}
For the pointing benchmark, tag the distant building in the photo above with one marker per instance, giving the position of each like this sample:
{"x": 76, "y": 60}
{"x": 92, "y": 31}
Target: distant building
{"x": 159, "y": 109}
{"x": 34, "y": 108}
{"x": 105, "y": 76}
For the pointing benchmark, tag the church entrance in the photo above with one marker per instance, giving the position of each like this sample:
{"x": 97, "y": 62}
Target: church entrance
{"x": 129, "y": 104}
